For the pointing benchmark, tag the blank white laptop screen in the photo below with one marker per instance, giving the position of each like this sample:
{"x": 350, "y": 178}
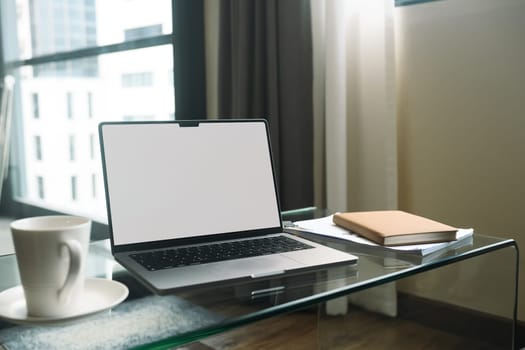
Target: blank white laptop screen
{"x": 166, "y": 181}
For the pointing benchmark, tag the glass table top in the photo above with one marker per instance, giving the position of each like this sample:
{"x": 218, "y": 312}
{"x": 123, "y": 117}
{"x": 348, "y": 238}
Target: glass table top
{"x": 145, "y": 320}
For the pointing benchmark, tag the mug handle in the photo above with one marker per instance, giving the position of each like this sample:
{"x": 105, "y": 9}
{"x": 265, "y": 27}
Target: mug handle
{"x": 75, "y": 263}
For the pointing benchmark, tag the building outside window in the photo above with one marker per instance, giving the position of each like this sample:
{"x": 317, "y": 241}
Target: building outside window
{"x": 40, "y": 187}
{"x": 74, "y": 188}
{"x": 36, "y": 110}
{"x": 38, "y": 147}
{"x": 72, "y": 150}
{"x": 69, "y": 100}
{"x": 90, "y": 104}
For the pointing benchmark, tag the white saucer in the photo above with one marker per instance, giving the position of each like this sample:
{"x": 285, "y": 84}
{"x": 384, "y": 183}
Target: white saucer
{"x": 99, "y": 294}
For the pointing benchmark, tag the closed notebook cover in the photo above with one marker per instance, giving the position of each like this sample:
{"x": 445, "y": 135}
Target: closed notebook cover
{"x": 395, "y": 227}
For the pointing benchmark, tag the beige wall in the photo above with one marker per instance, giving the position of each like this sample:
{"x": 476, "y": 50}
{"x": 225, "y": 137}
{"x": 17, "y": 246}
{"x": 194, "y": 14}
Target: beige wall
{"x": 461, "y": 127}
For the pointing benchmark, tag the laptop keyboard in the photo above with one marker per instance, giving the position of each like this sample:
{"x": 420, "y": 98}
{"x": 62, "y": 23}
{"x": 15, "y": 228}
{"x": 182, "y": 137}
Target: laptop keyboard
{"x": 202, "y": 254}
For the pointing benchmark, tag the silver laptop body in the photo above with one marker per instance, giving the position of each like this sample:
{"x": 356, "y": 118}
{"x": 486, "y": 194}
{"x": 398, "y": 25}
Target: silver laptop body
{"x": 186, "y": 183}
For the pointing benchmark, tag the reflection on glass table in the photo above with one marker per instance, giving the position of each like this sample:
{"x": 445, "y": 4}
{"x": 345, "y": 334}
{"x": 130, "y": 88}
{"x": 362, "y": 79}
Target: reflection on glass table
{"x": 151, "y": 321}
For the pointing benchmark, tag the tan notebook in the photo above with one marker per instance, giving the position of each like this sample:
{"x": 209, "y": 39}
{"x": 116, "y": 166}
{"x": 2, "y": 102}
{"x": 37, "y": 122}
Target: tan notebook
{"x": 395, "y": 227}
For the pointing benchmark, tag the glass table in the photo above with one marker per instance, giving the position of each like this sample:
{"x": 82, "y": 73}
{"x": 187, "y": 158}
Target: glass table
{"x": 148, "y": 321}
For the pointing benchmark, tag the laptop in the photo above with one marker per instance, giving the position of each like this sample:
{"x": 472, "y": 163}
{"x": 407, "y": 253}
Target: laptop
{"x": 194, "y": 203}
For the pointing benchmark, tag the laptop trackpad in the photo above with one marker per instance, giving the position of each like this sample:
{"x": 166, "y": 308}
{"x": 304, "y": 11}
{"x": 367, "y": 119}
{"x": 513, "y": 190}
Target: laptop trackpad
{"x": 265, "y": 266}
{"x": 256, "y": 267}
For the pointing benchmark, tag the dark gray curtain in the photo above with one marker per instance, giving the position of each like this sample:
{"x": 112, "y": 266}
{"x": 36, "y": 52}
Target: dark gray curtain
{"x": 265, "y": 71}
{"x": 188, "y": 59}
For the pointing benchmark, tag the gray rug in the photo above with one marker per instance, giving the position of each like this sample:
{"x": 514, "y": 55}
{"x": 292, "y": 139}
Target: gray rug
{"x": 130, "y": 324}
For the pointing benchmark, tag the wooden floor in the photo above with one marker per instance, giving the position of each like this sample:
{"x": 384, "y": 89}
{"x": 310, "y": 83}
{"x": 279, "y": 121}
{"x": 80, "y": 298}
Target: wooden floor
{"x": 359, "y": 329}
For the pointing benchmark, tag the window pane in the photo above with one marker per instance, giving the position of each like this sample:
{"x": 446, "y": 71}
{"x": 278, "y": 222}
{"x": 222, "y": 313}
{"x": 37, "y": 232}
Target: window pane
{"x": 69, "y": 110}
{"x": 49, "y": 26}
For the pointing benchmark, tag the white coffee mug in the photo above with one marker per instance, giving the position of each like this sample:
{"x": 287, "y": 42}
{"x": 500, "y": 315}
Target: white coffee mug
{"x": 51, "y": 252}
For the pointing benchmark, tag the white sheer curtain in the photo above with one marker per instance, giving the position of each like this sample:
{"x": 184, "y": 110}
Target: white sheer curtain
{"x": 355, "y": 113}
{"x": 354, "y": 79}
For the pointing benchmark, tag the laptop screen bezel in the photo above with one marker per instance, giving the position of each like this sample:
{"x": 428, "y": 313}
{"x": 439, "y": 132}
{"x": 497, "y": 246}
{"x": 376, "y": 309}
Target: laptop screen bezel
{"x": 187, "y": 240}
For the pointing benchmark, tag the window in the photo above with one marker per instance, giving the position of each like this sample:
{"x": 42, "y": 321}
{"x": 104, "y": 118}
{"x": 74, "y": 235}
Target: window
{"x": 69, "y": 97}
{"x": 76, "y": 64}
{"x": 72, "y": 148}
{"x": 40, "y": 186}
{"x": 74, "y": 188}
{"x": 36, "y": 110}
{"x": 38, "y": 147}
